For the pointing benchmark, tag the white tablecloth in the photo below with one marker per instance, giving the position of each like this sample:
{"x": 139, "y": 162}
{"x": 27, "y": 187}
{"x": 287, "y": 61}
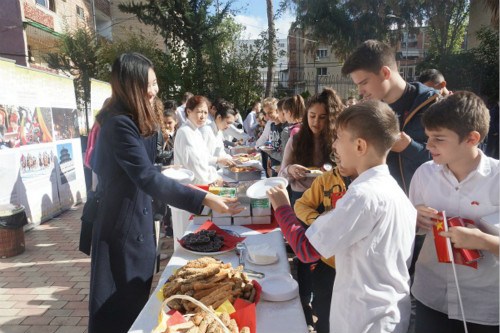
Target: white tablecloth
{"x": 272, "y": 317}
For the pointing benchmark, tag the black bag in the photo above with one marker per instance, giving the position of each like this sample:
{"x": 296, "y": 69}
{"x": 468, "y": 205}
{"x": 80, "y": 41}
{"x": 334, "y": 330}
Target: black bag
{"x": 89, "y": 215}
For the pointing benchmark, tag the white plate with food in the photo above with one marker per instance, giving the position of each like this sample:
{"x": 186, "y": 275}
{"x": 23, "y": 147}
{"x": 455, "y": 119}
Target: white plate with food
{"x": 279, "y": 288}
{"x": 183, "y": 176}
{"x": 266, "y": 148}
{"x": 259, "y": 189}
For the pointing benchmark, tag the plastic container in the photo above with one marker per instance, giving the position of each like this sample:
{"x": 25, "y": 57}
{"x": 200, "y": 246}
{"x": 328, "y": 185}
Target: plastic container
{"x": 12, "y": 220}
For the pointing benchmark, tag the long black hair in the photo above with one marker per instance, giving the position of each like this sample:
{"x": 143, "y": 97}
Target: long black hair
{"x": 129, "y": 86}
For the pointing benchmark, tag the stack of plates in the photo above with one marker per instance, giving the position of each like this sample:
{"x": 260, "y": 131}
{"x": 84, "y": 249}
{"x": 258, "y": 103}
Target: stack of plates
{"x": 279, "y": 288}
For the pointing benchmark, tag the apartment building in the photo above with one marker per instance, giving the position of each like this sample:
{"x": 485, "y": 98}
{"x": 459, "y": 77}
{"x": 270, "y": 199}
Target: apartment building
{"x": 29, "y": 29}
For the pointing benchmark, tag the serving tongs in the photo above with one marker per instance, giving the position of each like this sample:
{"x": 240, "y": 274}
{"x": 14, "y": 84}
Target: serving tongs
{"x": 240, "y": 251}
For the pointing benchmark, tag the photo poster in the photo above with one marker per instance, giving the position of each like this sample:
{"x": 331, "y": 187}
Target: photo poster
{"x": 99, "y": 92}
{"x": 71, "y": 178}
{"x": 38, "y": 183}
{"x": 38, "y": 113}
{"x": 24, "y": 125}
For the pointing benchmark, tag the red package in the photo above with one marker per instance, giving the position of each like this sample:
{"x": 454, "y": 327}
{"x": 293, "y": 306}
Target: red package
{"x": 461, "y": 256}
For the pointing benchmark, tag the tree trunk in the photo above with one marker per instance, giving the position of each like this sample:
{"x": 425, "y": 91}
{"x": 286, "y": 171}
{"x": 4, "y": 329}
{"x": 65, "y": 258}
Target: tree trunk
{"x": 271, "y": 46}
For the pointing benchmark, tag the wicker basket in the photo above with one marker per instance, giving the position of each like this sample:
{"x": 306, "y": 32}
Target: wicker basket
{"x": 197, "y": 303}
{"x": 11, "y": 242}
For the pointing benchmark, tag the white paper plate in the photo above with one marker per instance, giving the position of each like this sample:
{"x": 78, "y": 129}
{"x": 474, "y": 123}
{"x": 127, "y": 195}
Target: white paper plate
{"x": 266, "y": 148}
{"x": 263, "y": 254}
{"x": 183, "y": 176}
{"x": 279, "y": 288}
{"x": 263, "y": 263}
{"x": 258, "y": 190}
{"x": 313, "y": 174}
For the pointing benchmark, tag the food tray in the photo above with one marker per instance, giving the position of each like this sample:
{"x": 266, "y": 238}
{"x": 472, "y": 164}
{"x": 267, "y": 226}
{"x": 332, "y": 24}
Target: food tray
{"x": 241, "y": 176}
{"x": 241, "y": 150}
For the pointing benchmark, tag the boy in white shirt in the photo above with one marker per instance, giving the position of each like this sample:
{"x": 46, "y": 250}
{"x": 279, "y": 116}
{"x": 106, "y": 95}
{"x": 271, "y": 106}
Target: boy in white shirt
{"x": 461, "y": 181}
{"x": 370, "y": 232}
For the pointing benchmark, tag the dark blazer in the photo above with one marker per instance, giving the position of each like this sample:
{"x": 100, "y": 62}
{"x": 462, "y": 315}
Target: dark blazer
{"x": 403, "y": 165}
{"x": 123, "y": 241}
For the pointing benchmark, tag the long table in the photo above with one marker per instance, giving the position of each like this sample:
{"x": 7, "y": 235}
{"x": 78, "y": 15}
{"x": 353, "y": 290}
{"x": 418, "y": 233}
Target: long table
{"x": 272, "y": 317}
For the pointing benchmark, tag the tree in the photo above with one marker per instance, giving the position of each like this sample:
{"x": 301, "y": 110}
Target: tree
{"x": 346, "y": 23}
{"x": 78, "y": 56}
{"x": 187, "y": 25}
{"x": 447, "y": 22}
{"x": 271, "y": 46}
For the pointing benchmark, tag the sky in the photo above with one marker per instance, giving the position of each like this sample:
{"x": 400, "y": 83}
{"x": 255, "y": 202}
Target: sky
{"x": 252, "y": 15}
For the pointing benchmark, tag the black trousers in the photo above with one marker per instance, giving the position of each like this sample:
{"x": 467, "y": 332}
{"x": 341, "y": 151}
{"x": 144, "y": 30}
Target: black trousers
{"x": 432, "y": 321}
{"x": 323, "y": 277}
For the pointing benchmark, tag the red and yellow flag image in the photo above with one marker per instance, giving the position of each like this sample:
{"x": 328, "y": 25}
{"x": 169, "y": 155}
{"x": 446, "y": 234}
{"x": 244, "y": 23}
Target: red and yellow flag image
{"x": 461, "y": 256}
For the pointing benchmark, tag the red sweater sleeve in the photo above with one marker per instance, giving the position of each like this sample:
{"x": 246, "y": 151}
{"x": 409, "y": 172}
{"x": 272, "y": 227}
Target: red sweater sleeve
{"x": 295, "y": 234}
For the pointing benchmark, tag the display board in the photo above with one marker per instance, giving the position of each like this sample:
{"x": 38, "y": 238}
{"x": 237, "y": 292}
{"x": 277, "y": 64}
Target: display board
{"x": 40, "y": 151}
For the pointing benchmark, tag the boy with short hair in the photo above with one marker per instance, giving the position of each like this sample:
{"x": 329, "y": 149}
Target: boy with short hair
{"x": 370, "y": 231}
{"x": 461, "y": 181}
{"x": 322, "y": 197}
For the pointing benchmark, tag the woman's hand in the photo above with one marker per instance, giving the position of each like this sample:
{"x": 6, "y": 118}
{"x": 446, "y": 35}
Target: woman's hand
{"x": 223, "y": 205}
{"x": 278, "y": 196}
{"x": 226, "y": 161}
{"x": 426, "y": 217}
{"x": 297, "y": 171}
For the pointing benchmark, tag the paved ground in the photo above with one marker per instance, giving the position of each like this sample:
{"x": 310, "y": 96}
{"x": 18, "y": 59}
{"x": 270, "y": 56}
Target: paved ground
{"x": 45, "y": 289}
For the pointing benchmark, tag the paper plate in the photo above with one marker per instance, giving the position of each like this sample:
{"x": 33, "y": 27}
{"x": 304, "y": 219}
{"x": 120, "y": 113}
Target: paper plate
{"x": 258, "y": 190}
{"x": 261, "y": 254}
{"x": 183, "y": 176}
{"x": 279, "y": 288}
{"x": 313, "y": 174}
{"x": 262, "y": 263}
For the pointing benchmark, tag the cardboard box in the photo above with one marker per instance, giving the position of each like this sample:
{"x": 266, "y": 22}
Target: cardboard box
{"x": 261, "y": 207}
{"x": 200, "y": 219}
{"x": 261, "y": 219}
{"x": 206, "y": 211}
{"x": 222, "y": 221}
{"x": 242, "y": 220}
{"x": 245, "y": 212}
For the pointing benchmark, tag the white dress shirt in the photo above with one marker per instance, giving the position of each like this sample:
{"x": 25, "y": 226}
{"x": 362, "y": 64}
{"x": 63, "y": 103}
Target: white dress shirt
{"x": 250, "y": 123}
{"x": 192, "y": 153}
{"x": 264, "y": 136}
{"x": 371, "y": 233}
{"x": 476, "y": 196}
{"x": 214, "y": 140}
{"x": 180, "y": 115}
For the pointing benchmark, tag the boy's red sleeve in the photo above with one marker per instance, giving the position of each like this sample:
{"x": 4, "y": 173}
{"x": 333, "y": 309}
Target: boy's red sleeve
{"x": 295, "y": 234}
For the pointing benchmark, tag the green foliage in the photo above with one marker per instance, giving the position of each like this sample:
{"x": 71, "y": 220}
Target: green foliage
{"x": 79, "y": 56}
{"x": 185, "y": 25}
{"x": 475, "y": 70}
{"x": 202, "y": 50}
{"x": 447, "y": 21}
{"x": 346, "y": 23}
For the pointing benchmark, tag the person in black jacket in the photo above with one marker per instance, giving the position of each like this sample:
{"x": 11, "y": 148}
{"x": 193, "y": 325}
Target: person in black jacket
{"x": 373, "y": 68}
{"x": 123, "y": 241}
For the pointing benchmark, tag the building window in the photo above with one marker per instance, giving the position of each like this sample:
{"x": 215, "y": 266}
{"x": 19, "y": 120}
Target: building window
{"x": 79, "y": 12}
{"x": 281, "y": 45}
{"x": 50, "y": 4}
{"x": 321, "y": 53}
{"x": 322, "y": 71}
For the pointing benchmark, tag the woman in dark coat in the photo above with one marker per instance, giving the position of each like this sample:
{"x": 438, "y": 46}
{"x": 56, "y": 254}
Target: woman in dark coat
{"x": 123, "y": 241}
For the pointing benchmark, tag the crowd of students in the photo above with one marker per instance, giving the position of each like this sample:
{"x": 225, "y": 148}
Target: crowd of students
{"x": 362, "y": 231}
